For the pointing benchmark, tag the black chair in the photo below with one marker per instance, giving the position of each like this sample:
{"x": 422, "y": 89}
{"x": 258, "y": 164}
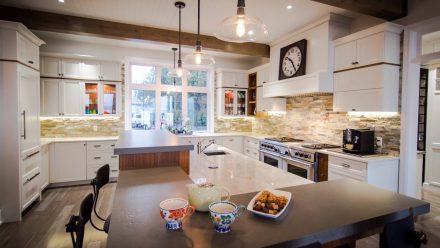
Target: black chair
{"x": 401, "y": 234}
{"x": 76, "y": 225}
{"x": 101, "y": 179}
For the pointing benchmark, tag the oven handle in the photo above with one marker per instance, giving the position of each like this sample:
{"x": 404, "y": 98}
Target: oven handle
{"x": 271, "y": 153}
{"x": 308, "y": 164}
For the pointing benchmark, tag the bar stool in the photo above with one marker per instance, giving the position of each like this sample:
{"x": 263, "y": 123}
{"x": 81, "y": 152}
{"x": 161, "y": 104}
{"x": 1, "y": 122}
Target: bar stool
{"x": 101, "y": 179}
{"x": 76, "y": 225}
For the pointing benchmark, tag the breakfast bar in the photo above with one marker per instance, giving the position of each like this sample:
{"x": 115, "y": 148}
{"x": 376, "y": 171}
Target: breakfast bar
{"x": 140, "y": 149}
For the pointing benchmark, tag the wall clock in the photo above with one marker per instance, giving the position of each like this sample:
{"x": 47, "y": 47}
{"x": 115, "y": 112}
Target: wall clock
{"x": 293, "y": 60}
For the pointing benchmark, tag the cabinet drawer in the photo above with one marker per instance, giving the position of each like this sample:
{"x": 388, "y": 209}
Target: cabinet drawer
{"x": 102, "y": 157}
{"x": 251, "y": 142}
{"x": 348, "y": 165}
{"x": 92, "y": 169}
{"x": 101, "y": 145}
{"x": 30, "y": 162}
{"x": 31, "y": 187}
{"x": 334, "y": 172}
{"x": 252, "y": 153}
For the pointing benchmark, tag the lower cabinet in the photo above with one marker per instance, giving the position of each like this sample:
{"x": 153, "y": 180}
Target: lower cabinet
{"x": 45, "y": 160}
{"x": 31, "y": 179}
{"x": 251, "y": 147}
{"x": 234, "y": 143}
{"x": 70, "y": 160}
{"x": 381, "y": 173}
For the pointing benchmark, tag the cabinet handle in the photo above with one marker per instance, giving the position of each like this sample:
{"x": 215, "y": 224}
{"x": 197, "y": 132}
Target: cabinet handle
{"x": 31, "y": 155}
{"x": 24, "y": 124}
{"x": 231, "y": 140}
{"x": 31, "y": 178}
{"x": 96, "y": 146}
{"x": 114, "y": 156}
{"x": 31, "y": 62}
{"x": 114, "y": 170}
{"x": 353, "y": 109}
{"x": 113, "y": 145}
{"x": 346, "y": 165}
{"x": 97, "y": 157}
{"x": 354, "y": 63}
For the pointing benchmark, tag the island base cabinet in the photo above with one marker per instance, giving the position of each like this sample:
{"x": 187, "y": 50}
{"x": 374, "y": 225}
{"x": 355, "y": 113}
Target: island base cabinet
{"x": 381, "y": 173}
{"x": 154, "y": 160}
{"x": 70, "y": 160}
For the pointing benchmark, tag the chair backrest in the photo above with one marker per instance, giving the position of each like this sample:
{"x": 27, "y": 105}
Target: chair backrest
{"x": 85, "y": 212}
{"x": 102, "y": 176}
{"x": 395, "y": 234}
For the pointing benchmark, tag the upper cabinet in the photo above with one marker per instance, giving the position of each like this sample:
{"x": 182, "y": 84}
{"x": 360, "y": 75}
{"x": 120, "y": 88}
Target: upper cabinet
{"x": 80, "y": 69}
{"x": 231, "y": 78}
{"x": 232, "y": 97}
{"x": 366, "y": 70}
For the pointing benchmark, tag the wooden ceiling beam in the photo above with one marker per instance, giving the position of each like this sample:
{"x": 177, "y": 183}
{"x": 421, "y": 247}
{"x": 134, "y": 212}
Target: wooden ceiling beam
{"x": 385, "y": 9}
{"x": 46, "y": 21}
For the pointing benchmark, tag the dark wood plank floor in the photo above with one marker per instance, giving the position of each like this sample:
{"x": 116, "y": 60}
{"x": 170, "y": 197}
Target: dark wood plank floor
{"x": 44, "y": 224}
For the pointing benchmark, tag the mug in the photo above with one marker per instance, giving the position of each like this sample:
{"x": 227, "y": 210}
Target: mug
{"x": 223, "y": 214}
{"x": 174, "y": 211}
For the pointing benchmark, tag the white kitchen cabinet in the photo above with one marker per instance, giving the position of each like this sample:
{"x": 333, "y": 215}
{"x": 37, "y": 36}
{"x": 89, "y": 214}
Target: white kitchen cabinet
{"x": 251, "y": 147}
{"x": 90, "y": 70}
{"x": 50, "y": 97}
{"x": 231, "y": 78}
{"x": 110, "y": 71}
{"x": 50, "y": 67}
{"x": 69, "y": 162}
{"x": 44, "y": 166}
{"x": 28, "y": 52}
{"x": 379, "y": 44}
{"x": 269, "y": 103}
{"x": 383, "y": 173}
{"x": 100, "y": 153}
{"x": 70, "y": 68}
{"x": 31, "y": 189}
{"x": 231, "y": 102}
{"x": 29, "y": 107}
{"x": 234, "y": 143}
{"x": 70, "y": 98}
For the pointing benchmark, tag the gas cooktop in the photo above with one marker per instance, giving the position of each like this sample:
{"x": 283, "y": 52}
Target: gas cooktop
{"x": 284, "y": 139}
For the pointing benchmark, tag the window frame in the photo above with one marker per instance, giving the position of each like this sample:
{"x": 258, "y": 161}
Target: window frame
{"x": 158, "y": 88}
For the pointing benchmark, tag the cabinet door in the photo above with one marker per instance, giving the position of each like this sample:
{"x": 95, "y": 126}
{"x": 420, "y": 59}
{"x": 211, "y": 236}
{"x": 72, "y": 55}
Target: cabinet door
{"x": 370, "y": 49}
{"x": 109, "y": 99}
{"x": 228, "y": 100}
{"x": 228, "y": 79}
{"x": 50, "y": 97}
{"x": 90, "y": 70}
{"x": 263, "y": 76}
{"x": 241, "y": 80}
{"x": 361, "y": 100}
{"x": 260, "y": 100}
{"x": 71, "y": 98}
{"x": 234, "y": 143}
{"x": 50, "y": 67}
{"x": 44, "y": 166}
{"x": 70, "y": 68}
{"x": 110, "y": 71}
{"x": 29, "y": 88}
{"x": 28, "y": 52}
{"x": 241, "y": 107}
{"x": 91, "y": 99}
{"x": 345, "y": 56}
{"x": 70, "y": 162}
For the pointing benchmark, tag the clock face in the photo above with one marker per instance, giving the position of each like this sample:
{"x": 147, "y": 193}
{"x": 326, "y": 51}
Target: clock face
{"x": 291, "y": 61}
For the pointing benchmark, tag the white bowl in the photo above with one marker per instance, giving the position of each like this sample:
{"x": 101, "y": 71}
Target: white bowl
{"x": 286, "y": 194}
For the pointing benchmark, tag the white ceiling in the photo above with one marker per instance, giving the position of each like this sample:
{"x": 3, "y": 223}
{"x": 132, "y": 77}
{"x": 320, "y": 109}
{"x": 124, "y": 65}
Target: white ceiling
{"x": 162, "y": 13}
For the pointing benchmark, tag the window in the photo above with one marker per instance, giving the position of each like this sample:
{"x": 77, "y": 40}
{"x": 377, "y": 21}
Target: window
{"x": 154, "y": 96}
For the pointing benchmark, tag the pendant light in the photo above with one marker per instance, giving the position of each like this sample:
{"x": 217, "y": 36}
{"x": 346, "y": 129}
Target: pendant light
{"x": 174, "y": 49}
{"x": 179, "y": 71}
{"x": 198, "y": 57}
{"x": 241, "y": 28}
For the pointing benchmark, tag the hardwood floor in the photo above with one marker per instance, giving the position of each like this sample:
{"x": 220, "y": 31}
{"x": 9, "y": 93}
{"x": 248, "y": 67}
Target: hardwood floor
{"x": 44, "y": 224}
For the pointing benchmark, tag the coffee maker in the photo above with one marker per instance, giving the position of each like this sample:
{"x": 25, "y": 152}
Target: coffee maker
{"x": 358, "y": 141}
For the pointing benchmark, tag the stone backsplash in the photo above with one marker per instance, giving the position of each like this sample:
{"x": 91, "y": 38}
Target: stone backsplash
{"x": 79, "y": 127}
{"x": 312, "y": 118}
{"x": 229, "y": 125}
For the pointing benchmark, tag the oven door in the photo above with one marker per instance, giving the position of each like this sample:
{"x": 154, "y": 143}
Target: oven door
{"x": 271, "y": 159}
{"x": 300, "y": 168}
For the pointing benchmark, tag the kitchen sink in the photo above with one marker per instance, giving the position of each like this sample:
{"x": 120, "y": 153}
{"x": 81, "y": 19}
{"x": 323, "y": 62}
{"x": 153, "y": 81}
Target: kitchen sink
{"x": 215, "y": 153}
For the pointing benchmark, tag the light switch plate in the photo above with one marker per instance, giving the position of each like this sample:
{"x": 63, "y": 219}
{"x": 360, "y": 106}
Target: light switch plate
{"x": 379, "y": 141}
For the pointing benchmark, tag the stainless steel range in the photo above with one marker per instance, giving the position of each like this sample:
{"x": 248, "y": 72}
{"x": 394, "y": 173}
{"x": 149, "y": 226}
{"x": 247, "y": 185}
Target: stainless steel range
{"x": 293, "y": 155}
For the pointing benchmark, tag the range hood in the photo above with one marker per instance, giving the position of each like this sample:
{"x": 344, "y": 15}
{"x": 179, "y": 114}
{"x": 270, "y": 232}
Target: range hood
{"x": 318, "y": 82}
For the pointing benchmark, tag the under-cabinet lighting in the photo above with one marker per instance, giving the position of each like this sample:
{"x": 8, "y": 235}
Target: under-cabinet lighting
{"x": 235, "y": 117}
{"x": 85, "y": 55}
{"x": 276, "y": 112}
{"x": 78, "y": 117}
{"x": 61, "y": 1}
{"x": 373, "y": 114}
{"x": 289, "y": 6}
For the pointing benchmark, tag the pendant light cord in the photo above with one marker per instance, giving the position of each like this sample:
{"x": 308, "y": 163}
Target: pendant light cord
{"x": 179, "y": 63}
{"x": 198, "y": 23}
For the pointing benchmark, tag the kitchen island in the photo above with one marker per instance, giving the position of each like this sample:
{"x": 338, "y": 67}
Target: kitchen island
{"x": 141, "y": 149}
{"x": 325, "y": 212}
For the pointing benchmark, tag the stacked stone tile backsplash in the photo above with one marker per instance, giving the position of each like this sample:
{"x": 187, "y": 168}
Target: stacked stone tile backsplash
{"x": 84, "y": 127}
{"x": 312, "y": 118}
{"x": 228, "y": 125}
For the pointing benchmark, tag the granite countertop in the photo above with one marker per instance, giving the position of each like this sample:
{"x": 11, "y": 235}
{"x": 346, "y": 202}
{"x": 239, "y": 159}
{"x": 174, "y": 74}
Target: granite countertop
{"x": 239, "y": 173}
{"x": 247, "y": 134}
{"x": 149, "y": 141}
{"x": 46, "y": 141}
{"x": 365, "y": 159}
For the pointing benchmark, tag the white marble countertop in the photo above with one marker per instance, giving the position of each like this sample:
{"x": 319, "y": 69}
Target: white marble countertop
{"x": 365, "y": 159}
{"x": 46, "y": 141}
{"x": 239, "y": 173}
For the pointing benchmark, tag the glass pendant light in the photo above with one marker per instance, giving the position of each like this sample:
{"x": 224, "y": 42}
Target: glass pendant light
{"x": 179, "y": 71}
{"x": 241, "y": 28}
{"x": 198, "y": 57}
{"x": 174, "y": 49}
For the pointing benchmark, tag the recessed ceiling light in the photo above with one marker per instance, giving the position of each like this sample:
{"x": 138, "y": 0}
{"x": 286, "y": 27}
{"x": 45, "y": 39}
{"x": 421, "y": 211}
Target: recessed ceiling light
{"x": 289, "y": 6}
{"x": 61, "y": 1}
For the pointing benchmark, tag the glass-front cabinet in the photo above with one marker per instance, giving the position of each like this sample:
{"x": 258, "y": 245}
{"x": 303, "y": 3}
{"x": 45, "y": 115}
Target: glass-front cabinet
{"x": 100, "y": 98}
{"x": 232, "y": 102}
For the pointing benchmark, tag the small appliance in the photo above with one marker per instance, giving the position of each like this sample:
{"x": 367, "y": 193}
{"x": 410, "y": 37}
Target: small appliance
{"x": 358, "y": 141}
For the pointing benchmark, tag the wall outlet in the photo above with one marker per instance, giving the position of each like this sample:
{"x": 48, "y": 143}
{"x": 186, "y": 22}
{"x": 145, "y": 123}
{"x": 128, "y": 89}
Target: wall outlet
{"x": 95, "y": 128}
{"x": 379, "y": 141}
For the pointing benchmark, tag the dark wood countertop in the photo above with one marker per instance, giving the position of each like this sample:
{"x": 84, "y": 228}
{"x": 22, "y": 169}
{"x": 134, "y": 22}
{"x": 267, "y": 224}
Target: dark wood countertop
{"x": 149, "y": 141}
{"x": 323, "y": 212}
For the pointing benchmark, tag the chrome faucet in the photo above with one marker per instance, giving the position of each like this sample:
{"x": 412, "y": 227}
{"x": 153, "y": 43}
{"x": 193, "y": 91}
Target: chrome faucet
{"x": 200, "y": 149}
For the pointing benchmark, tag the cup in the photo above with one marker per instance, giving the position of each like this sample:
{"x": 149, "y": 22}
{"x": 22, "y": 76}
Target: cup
{"x": 174, "y": 211}
{"x": 223, "y": 214}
